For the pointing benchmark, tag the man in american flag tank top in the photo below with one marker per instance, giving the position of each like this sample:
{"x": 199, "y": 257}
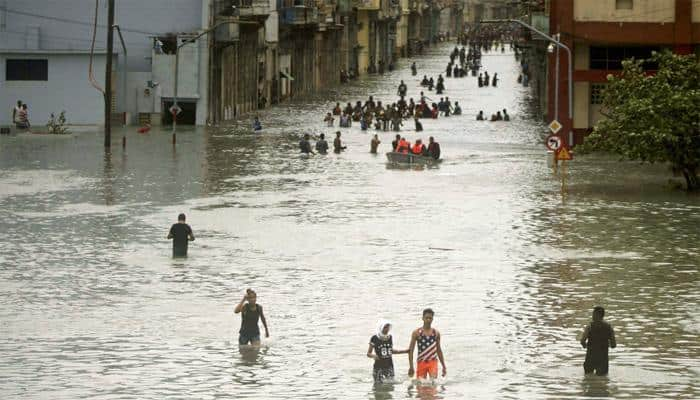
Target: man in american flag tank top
{"x": 429, "y": 350}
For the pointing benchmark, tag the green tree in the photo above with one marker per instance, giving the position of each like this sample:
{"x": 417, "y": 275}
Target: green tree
{"x": 653, "y": 117}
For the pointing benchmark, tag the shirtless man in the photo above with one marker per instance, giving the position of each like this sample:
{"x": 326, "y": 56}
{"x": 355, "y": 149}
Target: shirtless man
{"x": 429, "y": 350}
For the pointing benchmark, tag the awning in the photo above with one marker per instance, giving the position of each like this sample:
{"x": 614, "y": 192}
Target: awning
{"x": 286, "y": 75}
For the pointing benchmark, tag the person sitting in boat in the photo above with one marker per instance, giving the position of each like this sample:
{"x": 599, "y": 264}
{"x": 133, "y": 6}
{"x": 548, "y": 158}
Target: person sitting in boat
{"x": 395, "y": 142}
{"x": 336, "y": 109}
{"x": 425, "y": 81}
{"x": 419, "y": 126}
{"x": 418, "y": 148}
{"x": 457, "y": 109}
{"x": 403, "y": 146}
{"x": 480, "y": 116}
{"x": 433, "y": 148}
{"x": 329, "y": 120}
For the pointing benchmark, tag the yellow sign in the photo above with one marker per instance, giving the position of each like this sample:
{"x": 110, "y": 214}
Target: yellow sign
{"x": 564, "y": 154}
{"x": 555, "y": 126}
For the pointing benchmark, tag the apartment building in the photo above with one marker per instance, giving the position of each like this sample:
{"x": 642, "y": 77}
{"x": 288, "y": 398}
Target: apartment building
{"x": 602, "y": 33}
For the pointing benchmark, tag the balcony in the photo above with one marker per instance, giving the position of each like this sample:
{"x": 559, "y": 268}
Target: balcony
{"x": 298, "y": 12}
{"x": 242, "y": 8}
{"x": 368, "y": 5}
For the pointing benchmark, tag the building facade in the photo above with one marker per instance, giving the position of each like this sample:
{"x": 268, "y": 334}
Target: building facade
{"x": 54, "y": 35}
{"x": 602, "y": 33}
{"x": 233, "y": 56}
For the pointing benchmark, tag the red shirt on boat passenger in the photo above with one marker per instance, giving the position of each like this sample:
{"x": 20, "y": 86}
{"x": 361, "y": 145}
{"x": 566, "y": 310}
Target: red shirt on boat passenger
{"x": 403, "y": 146}
{"x": 418, "y": 148}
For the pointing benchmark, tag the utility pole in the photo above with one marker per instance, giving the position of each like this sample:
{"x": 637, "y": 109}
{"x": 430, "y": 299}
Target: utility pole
{"x": 108, "y": 74}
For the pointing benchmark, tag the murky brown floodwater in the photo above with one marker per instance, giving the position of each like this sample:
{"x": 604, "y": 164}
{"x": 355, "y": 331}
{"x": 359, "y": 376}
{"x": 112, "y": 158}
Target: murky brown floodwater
{"x": 92, "y": 305}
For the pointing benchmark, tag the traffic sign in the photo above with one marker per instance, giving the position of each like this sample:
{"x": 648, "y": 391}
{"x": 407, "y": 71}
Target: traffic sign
{"x": 175, "y": 109}
{"x": 564, "y": 154}
{"x": 553, "y": 142}
{"x": 555, "y": 126}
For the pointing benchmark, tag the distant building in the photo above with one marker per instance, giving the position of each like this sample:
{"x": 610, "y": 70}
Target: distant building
{"x": 602, "y": 33}
{"x": 45, "y": 54}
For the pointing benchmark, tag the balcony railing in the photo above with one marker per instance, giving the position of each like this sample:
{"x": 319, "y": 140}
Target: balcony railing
{"x": 298, "y": 12}
{"x": 368, "y": 4}
{"x": 241, "y": 8}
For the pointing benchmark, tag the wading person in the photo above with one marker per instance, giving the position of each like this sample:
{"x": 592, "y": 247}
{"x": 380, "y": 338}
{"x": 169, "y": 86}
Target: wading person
{"x": 305, "y": 145}
{"x": 251, "y": 313}
{"x": 429, "y": 351}
{"x": 338, "y": 144}
{"x": 322, "y": 145}
{"x": 374, "y": 144}
{"x": 383, "y": 346}
{"x": 596, "y": 338}
{"x": 181, "y": 234}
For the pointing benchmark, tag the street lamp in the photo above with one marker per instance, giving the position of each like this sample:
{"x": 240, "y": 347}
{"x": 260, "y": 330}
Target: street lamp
{"x": 554, "y": 41}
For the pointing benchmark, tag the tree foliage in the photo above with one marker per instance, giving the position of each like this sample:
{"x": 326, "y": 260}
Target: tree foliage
{"x": 653, "y": 117}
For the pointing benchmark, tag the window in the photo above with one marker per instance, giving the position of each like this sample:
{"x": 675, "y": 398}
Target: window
{"x": 624, "y": 4}
{"x": 597, "y": 93}
{"x": 610, "y": 58}
{"x": 27, "y": 70}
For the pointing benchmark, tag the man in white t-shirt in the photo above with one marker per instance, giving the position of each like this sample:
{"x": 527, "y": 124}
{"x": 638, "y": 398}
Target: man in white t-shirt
{"x": 15, "y": 111}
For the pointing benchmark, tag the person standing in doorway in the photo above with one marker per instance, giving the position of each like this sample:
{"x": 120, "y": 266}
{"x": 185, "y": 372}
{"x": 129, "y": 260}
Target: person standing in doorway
{"x": 181, "y": 234}
{"x": 251, "y": 313}
{"x": 597, "y": 336}
{"x": 429, "y": 350}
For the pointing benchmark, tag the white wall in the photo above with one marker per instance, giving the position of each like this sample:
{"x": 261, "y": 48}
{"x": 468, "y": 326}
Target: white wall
{"x": 66, "y": 89}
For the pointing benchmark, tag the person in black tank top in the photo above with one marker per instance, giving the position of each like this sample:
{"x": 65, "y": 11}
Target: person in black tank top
{"x": 383, "y": 346}
{"x": 596, "y": 338}
{"x": 251, "y": 313}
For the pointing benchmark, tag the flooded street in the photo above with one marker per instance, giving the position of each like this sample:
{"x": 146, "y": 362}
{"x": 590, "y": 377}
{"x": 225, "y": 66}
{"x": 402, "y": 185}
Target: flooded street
{"x": 93, "y": 306}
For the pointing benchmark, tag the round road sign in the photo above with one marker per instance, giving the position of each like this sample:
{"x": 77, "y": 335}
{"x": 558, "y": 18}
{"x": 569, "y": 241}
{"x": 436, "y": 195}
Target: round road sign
{"x": 553, "y": 142}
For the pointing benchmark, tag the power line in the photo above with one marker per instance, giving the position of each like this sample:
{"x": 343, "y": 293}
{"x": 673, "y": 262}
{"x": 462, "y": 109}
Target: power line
{"x": 65, "y": 38}
{"x": 72, "y": 21}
